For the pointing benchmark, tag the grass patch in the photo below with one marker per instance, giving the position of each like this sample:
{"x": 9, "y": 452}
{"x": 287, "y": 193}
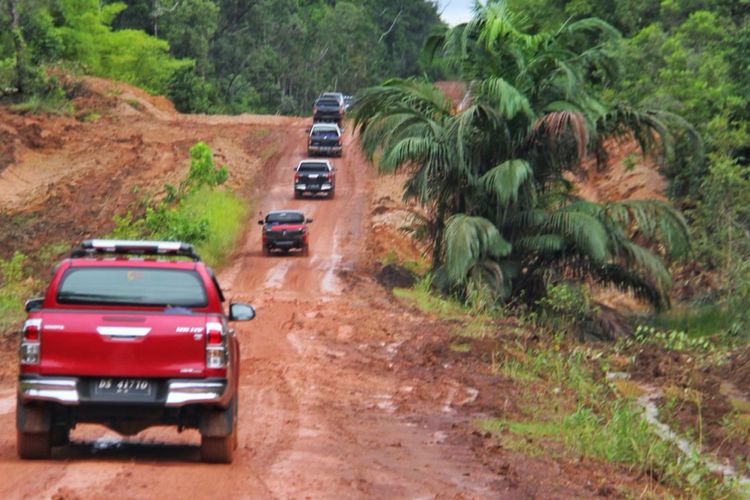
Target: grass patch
{"x": 696, "y": 321}
{"x": 463, "y": 347}
{"x": 88, "y": 117}
{"x": 627, "y": 388}
{"x": 515, "y": 370}
{"x": 16, "y": 287}
{"x": 135, "y": 104}
{"x": 425, "y": 301}
{"x": 476, "y": 328}
{"x": 577, "y": 415}
{"x": 53, "y": 103}
{"x": 419, "y": 267}
{"x": 527, "y": 438}
{"x": 212, "y": 220}
{"x": 198, "y": 212}
{"x": 225, "y": 215}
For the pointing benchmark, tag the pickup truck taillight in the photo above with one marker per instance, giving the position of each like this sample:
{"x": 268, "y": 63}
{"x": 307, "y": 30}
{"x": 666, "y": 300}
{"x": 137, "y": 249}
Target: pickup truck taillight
{"x": 296, "y": 177}
{"x": 216, "y": 352}
{"x": 32, "y": 337}
{"x": 329, "y": 177}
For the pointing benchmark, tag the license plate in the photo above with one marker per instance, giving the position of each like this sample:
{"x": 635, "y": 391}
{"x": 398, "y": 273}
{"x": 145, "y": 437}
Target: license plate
{"x": 124, "y": 387}
{"x": 313, "y": 186}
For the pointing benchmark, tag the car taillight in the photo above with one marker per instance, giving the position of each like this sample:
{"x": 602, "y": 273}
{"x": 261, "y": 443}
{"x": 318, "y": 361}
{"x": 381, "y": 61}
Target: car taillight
{"x": 296, "y": 177}
{"x": 30, "y": 343}
{"x": 216, "y": 353}
{"x": 329, "y": 177}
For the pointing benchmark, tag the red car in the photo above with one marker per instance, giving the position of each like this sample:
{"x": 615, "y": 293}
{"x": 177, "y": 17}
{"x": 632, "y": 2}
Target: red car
{"x": 127, "y": 340}
{"x": 285, "y": 230}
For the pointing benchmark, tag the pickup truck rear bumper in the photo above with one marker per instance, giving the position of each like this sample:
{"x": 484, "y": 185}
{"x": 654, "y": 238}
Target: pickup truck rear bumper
{"x": 326, "y": 150}
{"x": 72, "y": 391}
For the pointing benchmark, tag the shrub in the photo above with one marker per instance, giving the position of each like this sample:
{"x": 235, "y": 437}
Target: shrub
{"x": 566, "y": 308}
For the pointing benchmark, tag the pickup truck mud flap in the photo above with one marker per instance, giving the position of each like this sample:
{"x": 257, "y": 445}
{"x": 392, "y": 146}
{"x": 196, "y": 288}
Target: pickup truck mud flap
{"x": 218, "y": 423}
{"x": 33, "y": 419}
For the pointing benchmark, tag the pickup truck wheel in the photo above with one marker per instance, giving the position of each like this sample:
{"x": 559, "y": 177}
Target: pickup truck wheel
{"x": 331, "y": 194}
{"x": 34, "y": 446}
{"x": 218, "y": 450}
{"x": 266, "y": 251}
{"x": 297, "y": 195}
{"x": 305, "y": 250}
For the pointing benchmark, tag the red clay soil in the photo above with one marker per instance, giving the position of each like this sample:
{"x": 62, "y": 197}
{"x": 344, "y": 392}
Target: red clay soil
{"x": 344, "y": 391}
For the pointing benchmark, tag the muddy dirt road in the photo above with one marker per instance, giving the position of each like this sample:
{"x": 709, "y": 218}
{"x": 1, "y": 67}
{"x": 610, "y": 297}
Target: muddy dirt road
{"x": 321, "y": 403}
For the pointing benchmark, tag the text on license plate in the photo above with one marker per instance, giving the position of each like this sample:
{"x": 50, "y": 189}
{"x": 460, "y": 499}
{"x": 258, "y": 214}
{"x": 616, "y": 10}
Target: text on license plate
{"x": 122, "y": 386}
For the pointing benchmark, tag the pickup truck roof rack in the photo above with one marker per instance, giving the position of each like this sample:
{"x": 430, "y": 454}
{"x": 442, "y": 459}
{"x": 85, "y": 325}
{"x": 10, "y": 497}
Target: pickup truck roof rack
{"x": 135, "y": 247}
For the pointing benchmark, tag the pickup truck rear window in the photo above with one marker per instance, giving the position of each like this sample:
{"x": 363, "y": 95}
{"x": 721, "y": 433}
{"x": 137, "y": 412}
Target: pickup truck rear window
{"x": 333, "y": 103}
{"x": 313, "y": 168}
{"x": 132, "y": 286}
{"x": 285, "y": 218}
{"x": 325, "y": 133}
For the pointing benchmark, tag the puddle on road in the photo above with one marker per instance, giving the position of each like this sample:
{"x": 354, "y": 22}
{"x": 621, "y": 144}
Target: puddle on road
{"x": 330, "y": 283}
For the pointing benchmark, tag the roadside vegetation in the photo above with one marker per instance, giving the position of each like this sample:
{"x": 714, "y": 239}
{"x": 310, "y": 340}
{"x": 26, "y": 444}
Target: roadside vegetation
{"x": 570, "y": 402}
{"x": 496, "y": 175}
{"x": 198, "y": 211}
{"x": 523, "y": 258}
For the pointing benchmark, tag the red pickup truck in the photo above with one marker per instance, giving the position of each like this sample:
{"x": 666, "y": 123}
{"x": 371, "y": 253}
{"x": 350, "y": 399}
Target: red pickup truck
{"x": 127, "y": 338}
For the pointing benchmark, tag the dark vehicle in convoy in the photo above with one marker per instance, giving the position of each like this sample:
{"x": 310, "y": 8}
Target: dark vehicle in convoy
{"x": 314, "y": 177}
{"x": 348, "y": 101}
{"x": 329, "y": 107}
{"x": 324, "y": 139}
{"x": 285, "y": 230}
{"x": 130, "y": 334}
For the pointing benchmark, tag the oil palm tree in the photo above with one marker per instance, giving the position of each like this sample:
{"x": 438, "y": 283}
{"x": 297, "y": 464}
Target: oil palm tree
{"x": 492, "y": 173}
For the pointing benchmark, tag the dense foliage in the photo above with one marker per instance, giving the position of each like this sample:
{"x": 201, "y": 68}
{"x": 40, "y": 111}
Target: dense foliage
{"x": 226, "y": 56}
{"x": 671, "y": 74}
{"x": 691, "y": 58}
{"x": 505, "y": 220}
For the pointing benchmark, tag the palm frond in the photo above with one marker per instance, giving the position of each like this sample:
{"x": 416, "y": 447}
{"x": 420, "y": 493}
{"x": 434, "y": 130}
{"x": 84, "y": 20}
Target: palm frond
{"x": 542, "y": 244}
{"x": 467, "y": 240}
{"x": 505, "y": 97}
{"x": 623, "y": 278}
{"x": 656, "y": 221}
{"x": 583, "y": 230}
{"x": 558, "y": 123}
{"x": 505, "y": 180}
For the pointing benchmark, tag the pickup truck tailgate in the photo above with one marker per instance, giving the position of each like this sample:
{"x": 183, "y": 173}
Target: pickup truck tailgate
{"x": 102, "y": 343}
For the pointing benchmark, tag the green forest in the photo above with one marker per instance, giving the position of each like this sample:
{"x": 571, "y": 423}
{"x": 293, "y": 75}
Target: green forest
{"x": 215, "y": 56}
{"x": 549, "y": 82}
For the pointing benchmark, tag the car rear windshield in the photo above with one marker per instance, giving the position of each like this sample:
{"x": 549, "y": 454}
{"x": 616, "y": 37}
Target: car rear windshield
{"x": 313, "y": 167}
{"x": 328, "y": 102}
{"x": 285, "y": 218}
{"x": 325, "y": 132}
{"x": 132, "y": 286}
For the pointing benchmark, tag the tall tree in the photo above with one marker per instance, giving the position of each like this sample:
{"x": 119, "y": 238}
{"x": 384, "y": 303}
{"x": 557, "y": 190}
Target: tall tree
{"x": 492, "y": 173}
